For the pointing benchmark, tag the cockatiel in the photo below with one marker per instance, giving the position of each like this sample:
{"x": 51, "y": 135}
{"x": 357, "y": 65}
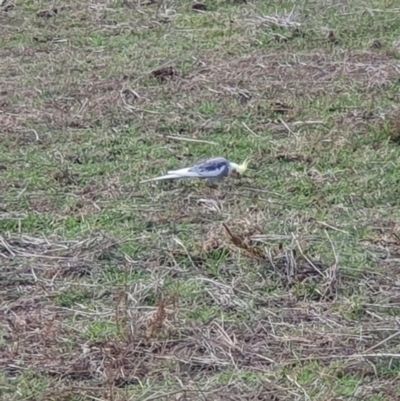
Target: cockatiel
{"x": 212, "y": 170}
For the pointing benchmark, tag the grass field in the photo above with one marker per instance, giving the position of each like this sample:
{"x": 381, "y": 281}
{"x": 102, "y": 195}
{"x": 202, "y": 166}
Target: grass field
{"x": 282, "y": 285}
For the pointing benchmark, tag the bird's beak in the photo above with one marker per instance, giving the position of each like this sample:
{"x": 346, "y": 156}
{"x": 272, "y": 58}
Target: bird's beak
{"x": 236, "y": 174}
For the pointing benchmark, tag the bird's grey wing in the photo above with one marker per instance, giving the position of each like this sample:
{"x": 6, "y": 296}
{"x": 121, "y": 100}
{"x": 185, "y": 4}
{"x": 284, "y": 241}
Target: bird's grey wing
{"x": 212, "y": 168}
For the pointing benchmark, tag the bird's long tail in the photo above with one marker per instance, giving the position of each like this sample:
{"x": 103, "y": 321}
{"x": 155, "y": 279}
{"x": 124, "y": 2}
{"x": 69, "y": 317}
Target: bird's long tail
{"x": 173, "y": 174}
{"x": 163, "y": 177}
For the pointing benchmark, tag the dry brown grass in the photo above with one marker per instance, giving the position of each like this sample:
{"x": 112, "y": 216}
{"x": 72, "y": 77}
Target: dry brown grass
{"x": 279, "y": 286}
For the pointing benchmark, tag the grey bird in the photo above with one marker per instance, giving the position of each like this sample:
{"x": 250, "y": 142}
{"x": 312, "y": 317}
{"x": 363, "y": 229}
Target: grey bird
{"x": 212, "y": 170}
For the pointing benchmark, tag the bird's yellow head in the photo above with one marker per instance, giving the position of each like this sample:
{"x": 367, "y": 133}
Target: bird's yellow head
{"x": 240, "y": 168}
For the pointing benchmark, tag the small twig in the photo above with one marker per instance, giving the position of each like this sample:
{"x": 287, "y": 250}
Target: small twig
{"x": 250, "y": 130}
{"x": 299, "y": 386}
{"x": 163, "y": 395}
{"x": 181, "y": 138}
{"x": 354, "y": 356}
{"x": 332, "y": 227}
{"x": 383, "y": 341}
{"x": 287, "y": 127}
{"x": 308, "y": 122}
{"x": 282, "y": 21}
{"x": 306, "y": 257}
{"x": 36, "y": 134}
{"x": 333, "y": 248}
{"x": 332, "y": 271}
{"x": 5, "y": 244}
{"x": 179, "y": 242}
{"x": 34, "y": 275}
